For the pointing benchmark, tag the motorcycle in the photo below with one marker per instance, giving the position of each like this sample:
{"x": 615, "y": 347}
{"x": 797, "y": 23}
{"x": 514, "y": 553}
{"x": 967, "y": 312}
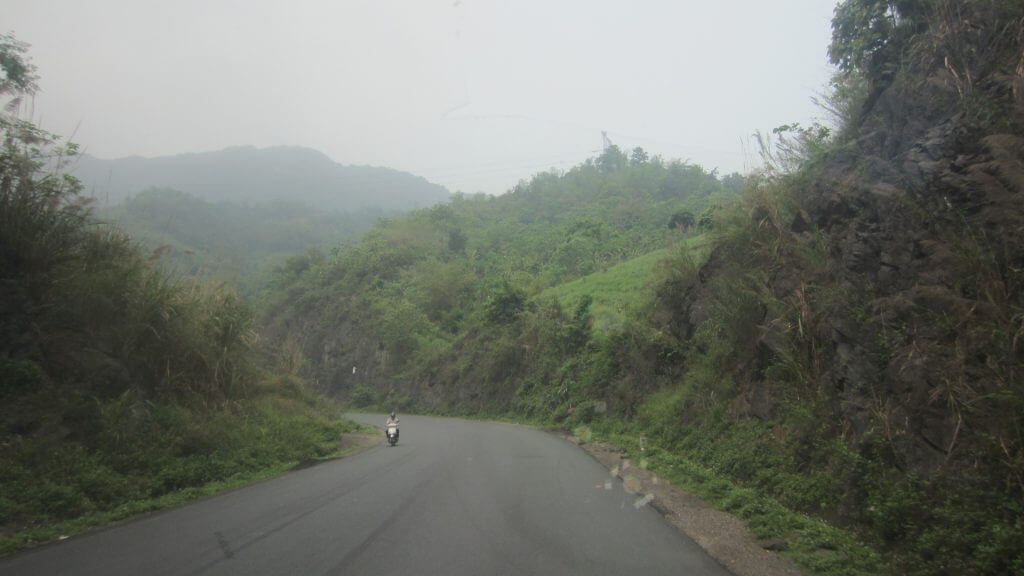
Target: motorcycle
{"x": 392, "y": 434}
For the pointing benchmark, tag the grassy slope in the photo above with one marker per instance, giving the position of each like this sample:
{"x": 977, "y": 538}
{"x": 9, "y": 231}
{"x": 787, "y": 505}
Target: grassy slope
{"x": 622, "y": 288}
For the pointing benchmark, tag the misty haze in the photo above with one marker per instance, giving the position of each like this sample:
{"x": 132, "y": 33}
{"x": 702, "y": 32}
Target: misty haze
{"x": 476, "y": 287}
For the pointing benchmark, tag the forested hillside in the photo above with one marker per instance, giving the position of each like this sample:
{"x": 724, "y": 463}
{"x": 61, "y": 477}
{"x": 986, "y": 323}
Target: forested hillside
{"x": 232, "y": 215}
{"x": 250, "y": 175}
{"x": 237, "y": 244}
{"x": 837, "y": 359}
{"x": 390, "y": 316}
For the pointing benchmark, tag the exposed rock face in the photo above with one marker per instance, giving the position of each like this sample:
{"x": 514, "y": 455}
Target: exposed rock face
{"x": 924, "y": 224}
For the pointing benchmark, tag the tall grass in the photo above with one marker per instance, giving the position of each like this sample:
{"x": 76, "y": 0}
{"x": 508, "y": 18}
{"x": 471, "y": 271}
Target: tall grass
{"x": 143, "y": 454}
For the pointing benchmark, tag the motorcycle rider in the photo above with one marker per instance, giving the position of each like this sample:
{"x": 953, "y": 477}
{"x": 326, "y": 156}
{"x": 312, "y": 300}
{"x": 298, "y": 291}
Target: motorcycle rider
{"x": 392, "y": 420}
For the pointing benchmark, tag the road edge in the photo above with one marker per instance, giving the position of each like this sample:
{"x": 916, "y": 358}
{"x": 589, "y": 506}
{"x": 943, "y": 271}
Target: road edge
{"x": 723, "y": 536}
{"x": 85, "y": 526}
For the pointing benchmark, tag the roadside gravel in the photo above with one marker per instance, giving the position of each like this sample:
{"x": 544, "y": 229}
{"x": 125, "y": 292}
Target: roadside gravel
{"x": 722, "y": 535}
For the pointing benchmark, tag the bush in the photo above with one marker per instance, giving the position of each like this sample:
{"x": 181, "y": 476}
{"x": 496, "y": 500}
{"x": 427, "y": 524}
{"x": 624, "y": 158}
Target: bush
{"x": 362, "y": 396}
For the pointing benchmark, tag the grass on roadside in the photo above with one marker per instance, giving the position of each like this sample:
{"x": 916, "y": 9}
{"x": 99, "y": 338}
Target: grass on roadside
{"x": 813, "y": 544}
{"x": 153, "y": 456}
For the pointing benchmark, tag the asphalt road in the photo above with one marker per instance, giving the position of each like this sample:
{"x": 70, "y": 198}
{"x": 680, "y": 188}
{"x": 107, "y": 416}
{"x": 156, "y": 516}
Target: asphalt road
{"x": 454, "y": 498}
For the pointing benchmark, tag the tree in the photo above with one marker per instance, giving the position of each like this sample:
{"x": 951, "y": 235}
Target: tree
{"x": 868, "y": 35}
{"x": 707, "y": 219}
{"x": 19, "y": 73}
{"x": 612, "y": 159}
{"x": 40, "y": 220}
{"x": 683, "y": 219}
{"x": 505, "y": 304}
{"x": 456, "y": 240}
{"x": 734, "y": 182}
{"x": 579, "y": 330}
{"x": 639, "y": 156}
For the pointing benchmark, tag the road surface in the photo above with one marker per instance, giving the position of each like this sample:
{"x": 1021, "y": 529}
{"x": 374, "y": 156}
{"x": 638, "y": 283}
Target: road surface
{"x": 453, "y": 498}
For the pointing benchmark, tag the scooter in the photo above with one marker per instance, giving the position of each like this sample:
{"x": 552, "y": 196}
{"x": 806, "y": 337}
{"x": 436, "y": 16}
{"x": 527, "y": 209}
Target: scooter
{"x": 392, "y": 434}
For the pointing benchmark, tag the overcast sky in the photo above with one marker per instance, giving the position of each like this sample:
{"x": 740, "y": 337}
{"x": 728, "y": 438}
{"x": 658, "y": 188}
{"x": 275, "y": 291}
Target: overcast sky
{"x": 472, "y": 94}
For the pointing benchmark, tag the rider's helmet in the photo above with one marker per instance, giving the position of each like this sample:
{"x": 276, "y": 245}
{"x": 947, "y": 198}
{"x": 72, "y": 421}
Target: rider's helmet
{"x": 392, "y": 414}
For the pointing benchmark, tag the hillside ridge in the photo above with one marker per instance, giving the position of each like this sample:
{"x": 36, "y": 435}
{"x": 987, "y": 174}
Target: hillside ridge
{"x": 247, "y": 174}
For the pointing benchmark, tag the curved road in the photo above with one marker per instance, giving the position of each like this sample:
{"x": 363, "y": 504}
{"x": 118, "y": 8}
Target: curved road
{"x": 454, "y": 497}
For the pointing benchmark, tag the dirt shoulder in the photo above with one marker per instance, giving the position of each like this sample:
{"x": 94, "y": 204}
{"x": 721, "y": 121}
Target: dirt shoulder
{"x": 722, "y": 535}
{"x": 352, "y": 443}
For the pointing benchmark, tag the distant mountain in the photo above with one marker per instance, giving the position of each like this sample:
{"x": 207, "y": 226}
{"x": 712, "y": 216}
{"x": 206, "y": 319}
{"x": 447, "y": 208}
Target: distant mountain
{"x": 256, "y": 175}
{"x": 229, "y": 242}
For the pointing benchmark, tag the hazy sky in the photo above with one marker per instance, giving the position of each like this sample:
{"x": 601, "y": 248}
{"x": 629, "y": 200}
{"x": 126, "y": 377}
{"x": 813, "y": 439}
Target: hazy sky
{"x": 472, "y": 94}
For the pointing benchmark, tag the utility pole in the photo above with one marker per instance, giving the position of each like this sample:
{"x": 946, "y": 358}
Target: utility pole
{"x": 606, "y": 142}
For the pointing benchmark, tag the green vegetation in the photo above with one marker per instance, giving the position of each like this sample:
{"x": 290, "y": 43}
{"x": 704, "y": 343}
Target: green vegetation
{"x": 611, "y": 294}
{"x": 621, "y": 289}
{"x": 835, "y": 358}
{"x": 812, "y": 542}
{"x": 830, "y": 348}
{"x": 406, "y": 303}
{"x": 231, "y": 243}
{"x": 122, "y": 388}
{"x": 147, "y": 455}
